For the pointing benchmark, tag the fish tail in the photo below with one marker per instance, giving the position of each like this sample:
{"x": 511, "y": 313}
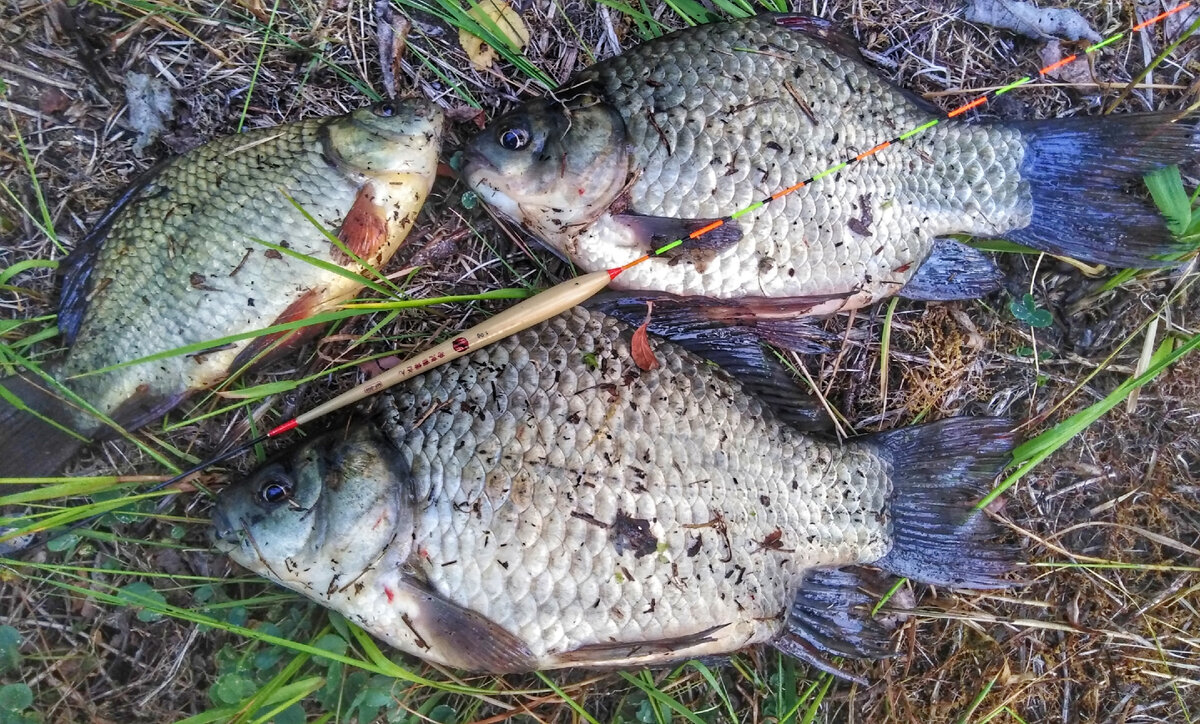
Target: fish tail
{"x": 939, "y": 473}
{"x": 1085, "y": 180}
{"x": 34, "y": 437}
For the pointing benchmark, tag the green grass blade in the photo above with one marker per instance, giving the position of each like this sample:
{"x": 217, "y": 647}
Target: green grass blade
{"x": 575, "y": 706}
{"x": 24, "y": 266}
{"x": 290, "y": 694}
{"x": 1166, "y": 187}
{"x": 716, "y": 686}
{"x": 978, "y": 700}
{"x": 810, "y": 714}
{"x": 262, "y": 49}
{"x": 1031, "y": 453}
{"x": 663, "y": 698}
{"x": 322, "y": 318}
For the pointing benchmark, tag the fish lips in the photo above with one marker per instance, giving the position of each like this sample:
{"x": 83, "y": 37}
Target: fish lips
{"x": 474, "y": 161}
{"x": 223, "y": 534}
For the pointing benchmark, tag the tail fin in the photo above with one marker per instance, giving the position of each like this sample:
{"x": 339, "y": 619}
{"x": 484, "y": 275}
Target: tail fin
{"x": 34, "y": 430}
{"x": 1085, "y": 178}
{"x": 939, "y": 472}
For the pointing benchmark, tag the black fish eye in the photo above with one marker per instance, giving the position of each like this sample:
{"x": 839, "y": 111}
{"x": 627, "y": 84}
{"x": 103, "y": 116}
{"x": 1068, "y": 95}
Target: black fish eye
{"x": 514, "y": 139}
{"x": 275, "y": 490}
{"x": 385, "y": 109}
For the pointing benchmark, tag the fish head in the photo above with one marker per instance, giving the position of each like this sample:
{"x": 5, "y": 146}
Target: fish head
{"x": 388, "y": 138}
{"x": 551, "y": 166}
{"x": 325, "y": 512}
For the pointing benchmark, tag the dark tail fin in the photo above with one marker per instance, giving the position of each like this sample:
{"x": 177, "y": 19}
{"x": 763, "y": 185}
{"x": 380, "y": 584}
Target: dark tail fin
{"x": 939, "y": 472}
{"x": 30, "y": 445}
{"x": 1085, "y": 178}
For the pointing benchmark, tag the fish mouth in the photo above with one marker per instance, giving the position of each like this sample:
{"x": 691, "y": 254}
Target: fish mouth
{"x": 475, "y": 161}
{"x": 223, "y": 534}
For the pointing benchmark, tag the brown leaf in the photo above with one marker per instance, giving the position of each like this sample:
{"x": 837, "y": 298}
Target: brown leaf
{"x": 643, "y": 355}
{"x": 1073, "y": 72}
{"x": 53, "y": 101}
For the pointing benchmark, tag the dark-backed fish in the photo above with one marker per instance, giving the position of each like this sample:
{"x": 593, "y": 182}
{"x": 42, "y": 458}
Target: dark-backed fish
{"x": 179, "y": 260}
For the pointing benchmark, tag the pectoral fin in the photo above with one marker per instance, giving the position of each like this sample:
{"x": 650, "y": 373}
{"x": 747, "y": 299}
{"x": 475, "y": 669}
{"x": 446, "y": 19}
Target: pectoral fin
{"x": 461, "y": 637}
{"x": 364, "y": 230}
{"x": 657, "y": 231}
{"x": 953, "y": 271}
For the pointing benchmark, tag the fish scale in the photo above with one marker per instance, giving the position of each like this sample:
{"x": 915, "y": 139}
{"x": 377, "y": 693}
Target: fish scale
{"x": 671, "y": 422}
{"x": 544, "y": 502}
{"x": 189, "y": 205}
{"x": 799, "y": 181}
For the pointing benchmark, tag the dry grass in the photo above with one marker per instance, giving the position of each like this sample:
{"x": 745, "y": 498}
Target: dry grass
{"x": 1108, "y": 628}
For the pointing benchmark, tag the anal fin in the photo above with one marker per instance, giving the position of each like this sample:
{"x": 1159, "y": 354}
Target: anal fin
{"x": 598, "y": 654}
{"x": 140, "y": 408}
{"x": 831, "y": 616}
{"x": 953, "y": 271}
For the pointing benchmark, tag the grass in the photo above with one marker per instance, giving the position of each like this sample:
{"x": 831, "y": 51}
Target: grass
{"x": 135, "y": 618}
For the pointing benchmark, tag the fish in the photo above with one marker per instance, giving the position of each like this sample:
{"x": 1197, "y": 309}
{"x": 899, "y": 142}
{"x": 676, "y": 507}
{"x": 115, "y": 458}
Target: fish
{"x": 179, "y": 259}
{"x": 544, "y": 502}
{"x": 700, "y": 128}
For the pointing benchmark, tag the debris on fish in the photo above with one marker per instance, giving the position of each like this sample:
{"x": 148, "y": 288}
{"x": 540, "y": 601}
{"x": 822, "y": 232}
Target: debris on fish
{"x": 690, "y": 128}
{"x": 180, "y": 259}
{"x": 545, "y": 503}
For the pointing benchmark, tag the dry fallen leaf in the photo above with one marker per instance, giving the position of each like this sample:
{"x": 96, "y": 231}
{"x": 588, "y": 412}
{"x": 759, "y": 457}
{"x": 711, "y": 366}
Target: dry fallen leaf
{"x": 512, "y": 31}
{"x": 53, "y": 100}
{"x": 1075, "y": 72}
{"x": 643, "y": 355}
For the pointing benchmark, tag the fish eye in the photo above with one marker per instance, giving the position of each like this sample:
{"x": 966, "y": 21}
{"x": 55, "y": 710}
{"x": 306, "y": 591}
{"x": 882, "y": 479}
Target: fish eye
{"x": 385, "y": 109}
{"x": 514, "y": 139}
{"x": 275, "y": 490}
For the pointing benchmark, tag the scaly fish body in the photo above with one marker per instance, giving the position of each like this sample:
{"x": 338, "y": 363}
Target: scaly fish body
{"x": 180, "y": 260}
{"x": 565, "y": 508}
{"x": 711, "y": 120}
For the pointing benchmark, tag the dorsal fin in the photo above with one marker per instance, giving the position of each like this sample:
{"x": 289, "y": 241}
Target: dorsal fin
{"x": 736, "y": 347}
{"x": 75, "y": 270}
{"x": 833, "y": 37}
{"x": 825, "y": 31}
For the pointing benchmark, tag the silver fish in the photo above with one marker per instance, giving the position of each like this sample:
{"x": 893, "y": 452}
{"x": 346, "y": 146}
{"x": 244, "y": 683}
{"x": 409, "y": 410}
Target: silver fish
{"x": 545, "y": 503}
{"x": 693, "y": 127}
{"x": 178, "y": 261}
